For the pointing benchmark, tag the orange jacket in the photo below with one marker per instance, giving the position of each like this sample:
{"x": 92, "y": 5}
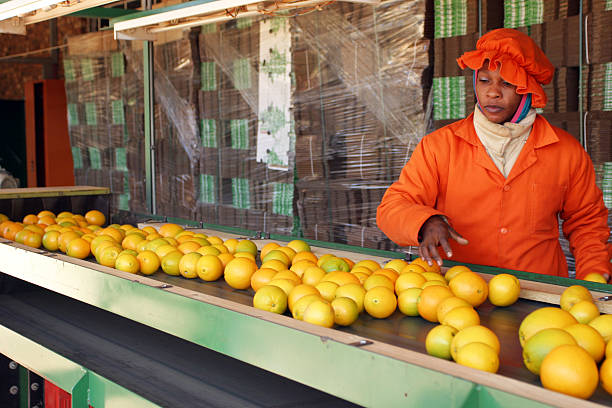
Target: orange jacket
{"x": 509, "y": 222}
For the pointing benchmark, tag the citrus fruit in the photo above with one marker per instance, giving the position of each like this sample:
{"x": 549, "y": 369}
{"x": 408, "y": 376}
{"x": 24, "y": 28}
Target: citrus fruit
{"x": 368, "y": 263}
{"x": 449, "y": 304}
{"x": 380, "y": 302}
{"x": 30, "y": 219}
{"x": 433, "y": 283}
{"x": 605, "y": 375}
{"x": 389, "y": 273}
{"x": 65, "y": 238}
{"x": 478, "y": 355}
{"x": 299, "y": 292}
{"x": 305, "y": 256}
{"x": 188, "y": 265}
{"x": 267, "y": 248}
{"x": 353, "y": 291}
{"x": 285, "y": 284}
{"x": 274, "y": 264}
{"x": 461, "y": 317}
{"x": 438, "y": 341}
{"x": 573, "y": 295}
{"x": 396, "y": 264}
{"x": 34, "y": 240}
{"x": 471, "y": 287}
{"x": 43, "y": 213}
{"x": 149, "y": 262}
{"x": 434, "y": 267}
{"x": 361, "y": 269}
{"x": 430, "y": 299}
{"x": 409, "y": 280}
{"x": 287, "y": 251}
{"x": 319, "y": 313}
{"x": 361, "y": 276}
{"x": 225, "y": 258}
{"x": 127, "y": 263}
{"x": 262, "y": 277}
{"x": 300, "y": 306}
{"x": 540, "y": 344}
{"x": 246, "y": 245}
{"x": 378, "y": 280}
{"x": 543, "y": 318}
{"x": 407, "y": 301}
{"x": 432, "y": 276}
{"x": 207, "y": 250}
{"x": 270, "y": 298}
{"x": 209, "y": 268}
{"x": 162, "y": 250}
{"x": 78, "y": 248}
{"x": 589, "y": 339}
{"x": 595, "y": 277}
{"x": 278, "y": 255}
{"x": 287, "y": 274}
{"x": 231, "y": 244}
{"x": 569, "y": 369}
{"x": 299, "y": 246}
{"x": 504, "y": 289}
{"x": 335, "y": 264}
{"x": 413, "y": 268}
{"x": 603, "y": 324}
{"x": 346, "y": 311}
{"x": 327, "y": 290}
{"x": 131, "y": 241}
{"x": 187, "y": 247}
{"x": 49, "y": 240}
{"x": 300, "y": 267}
{"x": 108, "y": 256}
{"x": 340, "y": 278}
{"x": 472, "y": 334}
{"x": 238, "y": 273}
{"x": 170, "y": 230}
{"x": 213, "y": 240}
{"x": 455, "y": 270}
{"x": 95, "y": 217}
{"x": 170, "y": 263}
{"x": 584, "y": 311}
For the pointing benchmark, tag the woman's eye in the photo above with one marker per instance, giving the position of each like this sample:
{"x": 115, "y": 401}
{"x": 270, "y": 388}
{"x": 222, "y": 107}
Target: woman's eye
{"x": 507, "y": 83}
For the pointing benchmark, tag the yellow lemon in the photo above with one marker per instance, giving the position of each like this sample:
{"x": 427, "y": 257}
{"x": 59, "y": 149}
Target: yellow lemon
{"x": 438, "y": 341}
{"x": 480, "y": 356}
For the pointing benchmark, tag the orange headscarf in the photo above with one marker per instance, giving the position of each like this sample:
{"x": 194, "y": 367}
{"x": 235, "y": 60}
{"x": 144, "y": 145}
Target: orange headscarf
{"x": 522, "y": 62}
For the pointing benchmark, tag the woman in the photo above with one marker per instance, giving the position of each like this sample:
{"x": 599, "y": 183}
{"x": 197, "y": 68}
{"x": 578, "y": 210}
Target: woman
{"x": 489, "y": 189}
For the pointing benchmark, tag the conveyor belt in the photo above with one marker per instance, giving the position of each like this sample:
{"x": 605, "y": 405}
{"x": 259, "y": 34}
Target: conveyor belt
{"x": 410, "y": 332}
{"x": 162, "y": 368}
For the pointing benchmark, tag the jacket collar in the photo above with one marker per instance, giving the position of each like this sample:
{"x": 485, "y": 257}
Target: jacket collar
{"x": 542, "y": 132}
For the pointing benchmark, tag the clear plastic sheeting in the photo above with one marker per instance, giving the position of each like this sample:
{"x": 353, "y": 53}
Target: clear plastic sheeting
{"x": 359, "y": 88}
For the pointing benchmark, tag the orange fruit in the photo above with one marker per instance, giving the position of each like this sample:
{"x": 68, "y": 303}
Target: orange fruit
{"x": 432, "y": 276}
{"x": 409, "y": 280}
{"x": 345, "y": 310}
{"x": 470, "y": 287}
{"x": 368, "y": 263}
{"x": 129, "y": 251}
{"x": 504, "y": 290}
{"x": 30, "y": 219}
{"x": 396, "y": 264}
{"x": 225, "y": 258}
{"x": 319, "y": 313}
{"x": 313, "y": 275}
{"x": 327, "y": 290}
{"x": 455, "y": 270}
{"x": 300, "y": 266}
{"x": 270, "y": 298}
{"x": 149, "y": 262}
{"x": 290, "y": 275}
{"x": 434, "y": 267}
{"x": 569, "y": 369}
{"x": 380, "y": 302}
{"x": 246, "y": 255}
{"x": 540, "y": 344}
{"x": 324, "y": 258}
{"x": 154, "y": 244}
{"x": 361, "y": 276}
{"x": 21, "y": 235}
{"x": 213, "y": 240}
{"x": 46, "y": 220}
{"x": 127, "y": 263}
{"x": 407, "y": 301}
{"x": 267, "y": 248}
{"x": 299, "y": 292}
{"x": 478, "y": 355}
{"x": 238, "y": 273}
{"x": 49, "y": 240}
{"x": 278, "y": 255}
{"x": 340, "y": 278}
{"x": 573, "y": 295}
{"x": 188, "y": 265}
{"x": 589, "y": 339}
{"x": 206, "y": 250}
{"x": 595, "y": 277}
{"x": 461, "y": 317}
{"x": 170, "y": 230}
{"x": 199, "y": 240}
{"x": 116, "y": 233}
{"x": 362, "y": 269}
{"x": 170, "y": 263}
{"x": 65, "y": 238}
{"x": 231, "y": 244}
{"x": 605, "y": 375}
{"x": 287, "y": 251}
{"x": 223, "y": 249}
{"x": 544, "y": 318}
{"x": 603, "y": 324}
{"x": 162, "y": 250}
{"x": 153, "y": 236}
{"x": 609, "y": 350}
{"x": 438, "y": 341}
{"x": 430, "y": 299}
{"x": 378, "y": 280}
{"x": 95, "y": 217}
{"x": 274, "y": 264}
{"x": 246, "y": 245}
{"x": 78, "y": 248}
{"x": 188, "y": 247}
{"x": 131, "y": 241}
{"x": 449, "y": 304}
{"x": 472, "y": 334}
{"x": 584, "y": 311}
{"x": 305, "y": 256}
{"x": 299, "y": 246}
{"x": 285, "y": 284}
{"x": 413, "y": 268}
{"x": 300, "y": 306}
{"x": 389, "y": 273}
{"x": 45, "y": 213}
{"x": 262, "y": 277}
{"x": 149, "y": 229}
{"x": 11, "y": 230}
{"x": 209, "y": 268}
{"x": 353, "y": 291}
{"x": 33, "y": 240}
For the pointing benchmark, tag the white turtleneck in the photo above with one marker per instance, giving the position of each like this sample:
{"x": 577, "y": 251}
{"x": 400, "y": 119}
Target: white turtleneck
{"x": 504, "y": 142}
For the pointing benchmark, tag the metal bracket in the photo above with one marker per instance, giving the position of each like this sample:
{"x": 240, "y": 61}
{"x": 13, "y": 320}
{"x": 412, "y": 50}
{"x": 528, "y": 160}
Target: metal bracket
{"x": 360, "y": 343}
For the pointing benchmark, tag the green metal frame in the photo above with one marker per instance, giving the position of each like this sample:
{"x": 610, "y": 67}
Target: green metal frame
{"x": 103, "y": 12}
{"x": 349, "y": 372}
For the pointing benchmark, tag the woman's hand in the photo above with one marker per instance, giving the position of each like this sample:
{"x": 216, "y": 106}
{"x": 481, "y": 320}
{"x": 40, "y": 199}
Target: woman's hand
{"x": 435, "y": 232}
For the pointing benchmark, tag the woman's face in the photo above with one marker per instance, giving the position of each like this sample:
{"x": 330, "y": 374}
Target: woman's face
{"x": 498, "y": 98}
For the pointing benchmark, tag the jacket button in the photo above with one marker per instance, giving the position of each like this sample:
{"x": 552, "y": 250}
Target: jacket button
{"x": 506, "y": 187}
{"x": 504, "y": 230}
